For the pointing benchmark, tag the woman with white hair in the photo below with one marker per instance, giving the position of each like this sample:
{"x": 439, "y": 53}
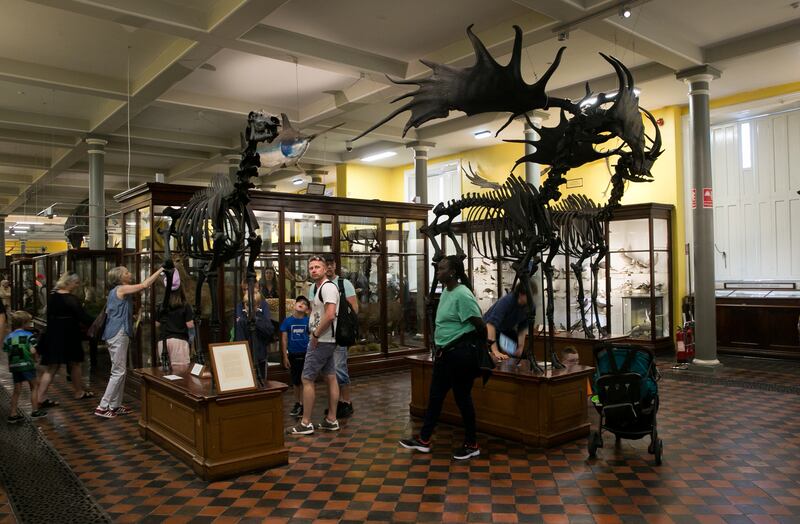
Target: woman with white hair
{"x": 63, "y": 340}
{"x": 117, "y": 334}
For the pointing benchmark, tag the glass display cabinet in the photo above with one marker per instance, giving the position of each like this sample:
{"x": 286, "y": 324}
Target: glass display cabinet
{"x": 92, "y": 266}
{"x": 640, "y": 274}
{"x": 377, "y": 246}
{"x": 25, "y": 288}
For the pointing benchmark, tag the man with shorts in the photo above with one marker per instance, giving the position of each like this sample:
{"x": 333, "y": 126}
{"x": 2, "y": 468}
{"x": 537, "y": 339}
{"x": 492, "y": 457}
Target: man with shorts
{"x": 321, "y": 348}
{"x": 345, "y": 406}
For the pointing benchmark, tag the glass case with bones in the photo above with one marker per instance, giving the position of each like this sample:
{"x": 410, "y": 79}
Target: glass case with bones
{"x": 639, "y": 272}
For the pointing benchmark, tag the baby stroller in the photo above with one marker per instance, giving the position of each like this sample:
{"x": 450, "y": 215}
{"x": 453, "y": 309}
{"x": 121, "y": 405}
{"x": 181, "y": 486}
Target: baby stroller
{"x": 626, "y": 389}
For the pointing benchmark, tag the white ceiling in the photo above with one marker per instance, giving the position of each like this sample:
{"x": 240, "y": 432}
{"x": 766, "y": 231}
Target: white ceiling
{"x": 182, "y": 75}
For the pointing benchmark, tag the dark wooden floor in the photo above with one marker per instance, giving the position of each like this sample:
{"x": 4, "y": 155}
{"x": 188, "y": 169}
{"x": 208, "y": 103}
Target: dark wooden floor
{"x": 731, "y": 454}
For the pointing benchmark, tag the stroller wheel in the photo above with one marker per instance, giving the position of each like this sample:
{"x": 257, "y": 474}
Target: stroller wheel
{"x": 659, "y": 451}
{"x": 595, "y": 441}
{"x": 592, "y": 444}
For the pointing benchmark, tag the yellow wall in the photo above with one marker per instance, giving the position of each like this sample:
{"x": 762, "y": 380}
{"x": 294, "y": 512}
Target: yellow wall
{"x": 34, "y": 247}
{"x": 369, "y": 182}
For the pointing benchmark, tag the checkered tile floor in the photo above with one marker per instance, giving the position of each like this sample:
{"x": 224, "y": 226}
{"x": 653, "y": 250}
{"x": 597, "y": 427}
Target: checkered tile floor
{"x": 731, "y": 455}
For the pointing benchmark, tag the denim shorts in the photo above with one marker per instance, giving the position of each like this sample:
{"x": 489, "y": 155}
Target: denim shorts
{"x": 319, "y": 361}
{"x": 23, "y": 376}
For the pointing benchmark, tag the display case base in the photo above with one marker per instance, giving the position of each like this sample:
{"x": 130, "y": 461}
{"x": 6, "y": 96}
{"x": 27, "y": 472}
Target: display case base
{"x": 542, "y": 410}
{"x": 217, "y": 435}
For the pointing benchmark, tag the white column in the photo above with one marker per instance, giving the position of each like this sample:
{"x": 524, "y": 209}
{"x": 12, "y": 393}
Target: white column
{"x": 421, "y": 168}
{"x": 233, "y": 165}
{"x": 532, "y": 170}
{"x": 97, "y": 201}
{"x": 705, "y": 302}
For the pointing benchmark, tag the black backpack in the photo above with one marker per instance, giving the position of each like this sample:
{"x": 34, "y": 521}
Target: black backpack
{"x": 345, "y": 327}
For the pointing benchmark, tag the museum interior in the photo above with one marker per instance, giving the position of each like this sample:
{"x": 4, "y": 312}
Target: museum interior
{"x": 577, "y": 215}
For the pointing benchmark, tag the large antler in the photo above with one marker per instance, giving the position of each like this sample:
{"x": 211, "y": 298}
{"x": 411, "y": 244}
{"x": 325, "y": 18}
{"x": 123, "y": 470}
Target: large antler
{"x": 485, "y": 87}
{"x": 478, "y": 180}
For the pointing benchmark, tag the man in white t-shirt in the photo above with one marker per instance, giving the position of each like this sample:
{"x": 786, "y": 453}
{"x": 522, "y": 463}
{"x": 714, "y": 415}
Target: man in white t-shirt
{"x": 345, "y": 407}
{"x": 321, "y": 348}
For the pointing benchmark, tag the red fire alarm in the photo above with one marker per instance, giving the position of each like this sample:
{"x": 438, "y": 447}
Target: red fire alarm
{"x": 660, "y": 122}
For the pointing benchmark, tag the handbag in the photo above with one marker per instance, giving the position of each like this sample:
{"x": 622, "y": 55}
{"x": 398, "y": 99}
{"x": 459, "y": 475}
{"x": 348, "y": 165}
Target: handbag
{"x": 95, "y": 331}
{"x": 485, "y": 361}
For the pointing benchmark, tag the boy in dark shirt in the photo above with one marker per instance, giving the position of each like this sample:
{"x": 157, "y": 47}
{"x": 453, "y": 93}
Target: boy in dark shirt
{"x": 294, "y": 343}
{"x": 20, "y": 345}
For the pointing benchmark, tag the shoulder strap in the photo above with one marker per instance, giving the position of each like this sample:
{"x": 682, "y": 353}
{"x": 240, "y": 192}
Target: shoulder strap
{"x": 626, "y": 366}
{"x": 341, "y": 286}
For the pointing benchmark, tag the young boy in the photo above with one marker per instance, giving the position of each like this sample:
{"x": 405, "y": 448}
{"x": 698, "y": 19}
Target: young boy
{"x": 294, "y": 343}
{"x": 20, "y": 345}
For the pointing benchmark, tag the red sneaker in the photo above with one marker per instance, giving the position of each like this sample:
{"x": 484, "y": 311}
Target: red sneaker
{"x": 122, "y": 410}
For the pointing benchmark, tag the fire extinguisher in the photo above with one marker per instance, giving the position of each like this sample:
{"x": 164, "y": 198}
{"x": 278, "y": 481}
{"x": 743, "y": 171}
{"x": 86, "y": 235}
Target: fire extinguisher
{"x": 681, "y": 355}
{"x": 688, "y": 330}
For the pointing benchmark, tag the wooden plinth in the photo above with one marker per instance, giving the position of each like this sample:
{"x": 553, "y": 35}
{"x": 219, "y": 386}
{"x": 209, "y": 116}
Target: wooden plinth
{"x": 539, "y": 410}
{"x": 578, "y": 340}
{"x": 217, "y": 435}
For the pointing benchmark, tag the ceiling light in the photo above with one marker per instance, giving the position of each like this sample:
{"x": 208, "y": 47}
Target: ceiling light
{"x": 563, "y": 36}
{"x": 624, "y": 12}
{"x": 379, "y": 156}
{"x": 479, "y": 135}
{"x": 29, "y": 223}
{"x": 298, "y": 181}
{"x": 20, "y": 228}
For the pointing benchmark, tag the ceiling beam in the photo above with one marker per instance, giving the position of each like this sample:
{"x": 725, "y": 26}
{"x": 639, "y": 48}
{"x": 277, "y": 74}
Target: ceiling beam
{"x": 37, "y": 121}
{"x": 761, "y": 40}
{"x": 30, "y": 162}
{"x": 655, "y": 42}
{"x": 178, "y": 139}
{"x": 170, "y": 66}
{"x": 308, "y": 50}
{"x": 60, "y": 79}
{"x": 177, "y": 99}
{"x": 18, "y": 136}
{"x": 141, "y": 149}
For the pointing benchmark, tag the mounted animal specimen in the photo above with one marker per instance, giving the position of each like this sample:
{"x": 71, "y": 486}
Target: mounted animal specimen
{"x": 217, "y": 225}
{"x": 288, "y": 147}
{"x": 369, "y": 240}
{"x": 76, "y": 227}
{"x": 515, "y": 218}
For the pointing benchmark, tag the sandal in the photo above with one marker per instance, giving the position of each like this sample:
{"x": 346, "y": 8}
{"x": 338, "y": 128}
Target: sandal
{"x": 47, "y": 403}
{"x": 85, "y": 395}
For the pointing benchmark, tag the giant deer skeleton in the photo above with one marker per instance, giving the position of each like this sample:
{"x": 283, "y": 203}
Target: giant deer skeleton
{"x": 216, "y": 226}
{"x": 515, "y": 219}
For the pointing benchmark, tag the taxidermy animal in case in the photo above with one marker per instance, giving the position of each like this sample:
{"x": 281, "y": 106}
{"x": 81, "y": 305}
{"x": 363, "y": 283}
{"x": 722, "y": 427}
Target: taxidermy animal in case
{"x": 288, "y": 147}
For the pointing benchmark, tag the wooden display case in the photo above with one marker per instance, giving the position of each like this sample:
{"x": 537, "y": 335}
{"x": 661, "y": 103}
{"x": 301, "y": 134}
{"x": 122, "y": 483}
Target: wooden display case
{"x": 759, "y": 322}
{"x": 377, "y": 245}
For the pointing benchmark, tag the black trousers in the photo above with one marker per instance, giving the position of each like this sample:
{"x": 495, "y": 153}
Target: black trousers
{"x": 455, "y": 369}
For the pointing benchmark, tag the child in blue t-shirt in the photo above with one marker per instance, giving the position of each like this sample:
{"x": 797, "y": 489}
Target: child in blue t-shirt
{"x": 294, "y": 343}
{"x": 20, "y": 345}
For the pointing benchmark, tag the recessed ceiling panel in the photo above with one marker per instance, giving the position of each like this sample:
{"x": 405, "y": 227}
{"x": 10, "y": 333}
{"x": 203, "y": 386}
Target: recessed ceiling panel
{"x": 404, "y": 30}
{"x": 59, "y": 38}
{"x": 264, "y": 82}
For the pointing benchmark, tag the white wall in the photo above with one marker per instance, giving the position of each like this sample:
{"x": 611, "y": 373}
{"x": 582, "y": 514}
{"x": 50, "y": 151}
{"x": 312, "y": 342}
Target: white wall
{"x": 756, "y": 206}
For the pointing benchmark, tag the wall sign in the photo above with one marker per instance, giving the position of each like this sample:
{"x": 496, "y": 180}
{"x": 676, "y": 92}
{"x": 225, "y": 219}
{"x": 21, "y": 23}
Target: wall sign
{"x": 708, "y": 198}
{"x": 694, "y": 198}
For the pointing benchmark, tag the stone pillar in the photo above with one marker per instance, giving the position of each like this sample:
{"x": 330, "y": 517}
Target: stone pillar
{"x": 698, "y": 79}
{"x": 233, "y": 165}
{"x": 97, "y": 200}
{"x": 532, "y": 170}
{"x": 421, "y": 168}
{"x": 316, "y": 175}
{"x": 3, "y": 242}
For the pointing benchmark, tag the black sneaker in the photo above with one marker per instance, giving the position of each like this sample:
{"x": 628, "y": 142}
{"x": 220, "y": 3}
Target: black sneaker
{"x": 466, "y": 451}
{"x": 327, "y": 425}
{"x": 302, "y": 429}
{"x": 416, "y": 443}
{"x": 344, "y": 409}
{"x": 297, "y": 410}
{"x": 39, "y": 413}
{"x": 13, "y": 419}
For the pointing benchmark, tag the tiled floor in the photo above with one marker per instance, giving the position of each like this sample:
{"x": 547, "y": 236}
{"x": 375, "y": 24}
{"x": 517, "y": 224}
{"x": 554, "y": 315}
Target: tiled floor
{"x": 6, "y": 514}
{"x": 731, "y": 454}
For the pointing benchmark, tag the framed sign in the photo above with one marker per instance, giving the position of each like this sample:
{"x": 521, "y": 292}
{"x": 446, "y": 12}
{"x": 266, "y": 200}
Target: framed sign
{"x": 232, "y": 367}
{"x": 315, "y": 188}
